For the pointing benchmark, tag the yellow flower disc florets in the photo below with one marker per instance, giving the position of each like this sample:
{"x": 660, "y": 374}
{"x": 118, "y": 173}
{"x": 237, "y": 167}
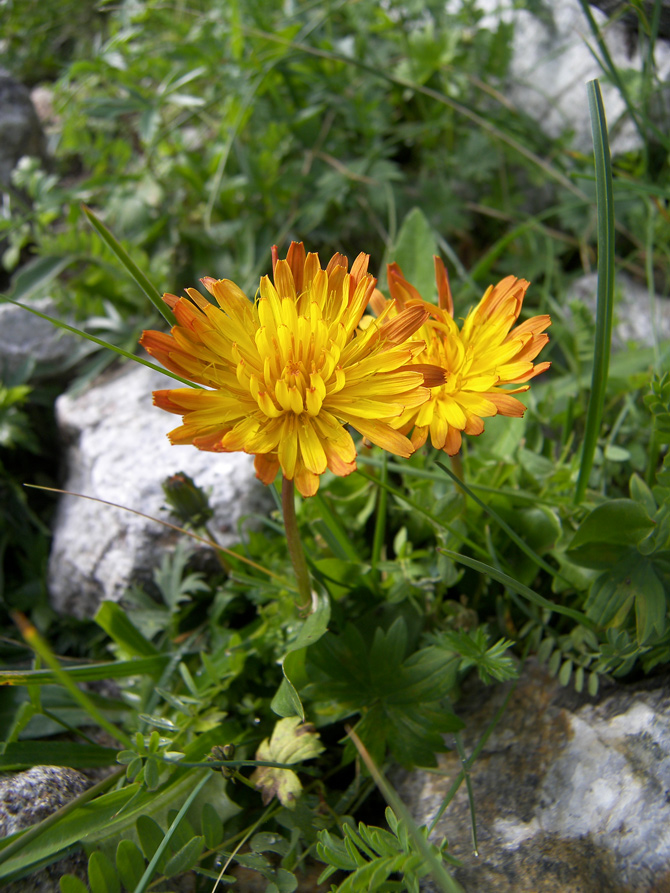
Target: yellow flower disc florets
{"x": 284, "y": 374}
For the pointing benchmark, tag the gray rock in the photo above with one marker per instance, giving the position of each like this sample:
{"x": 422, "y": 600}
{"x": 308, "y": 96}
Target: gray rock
{"x": 26, "y": 339}
{"x": 571, "y": 795}
{"x": 637, "y": 317}
{"x": 20, "y": 129}
{"x": 28, "y": 797}
{"x": 551, "y": 64}
{"x": 117, "y": 450}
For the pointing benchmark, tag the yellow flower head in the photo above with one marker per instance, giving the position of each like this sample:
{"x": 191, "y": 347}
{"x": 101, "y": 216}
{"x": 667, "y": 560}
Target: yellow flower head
{"x": 285, "y": 373}
{"x": 478, "y": 359}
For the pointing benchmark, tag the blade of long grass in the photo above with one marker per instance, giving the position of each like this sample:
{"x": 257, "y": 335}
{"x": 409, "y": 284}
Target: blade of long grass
{"x": 195, "y": 536}
{"x": 138, "y": 666}
{"x": 422, "y": 511}
{"x": 40, "y": 646}
{"x": 609, "y": 68}
{"x": 512, "y": 534}
{"x": 440, "y": 874}
{"x": 380, "y": 519}
{"x": 145, "y": 285}
{"x": 146, "y": 877}
{"x": 468, "y": 786}
{"x": 520, "y": 588}
{"x": 101, "y": 342}
{"x": 467, "y": 765}
{"x": 605, "y": 296}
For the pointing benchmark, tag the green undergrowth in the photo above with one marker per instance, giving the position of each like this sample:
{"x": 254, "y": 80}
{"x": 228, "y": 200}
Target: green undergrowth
{"x": 229, "y": 730}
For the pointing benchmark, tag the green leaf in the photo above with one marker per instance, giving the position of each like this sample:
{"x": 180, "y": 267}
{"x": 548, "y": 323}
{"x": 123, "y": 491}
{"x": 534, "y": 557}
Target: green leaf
{"x": 33, "y": 278}
{"x": 212, "y": 827}
{"x": 287, "y": 701}
{"x": 130, "y": 863}
{"x": 605, "y": 295}
{"x": 151, "y": 775}
{"x": 115, "y": 622}
{"x": 291, "y": 742}
{"x": 641, "y": 493}
{"x": 71, "y": 884}
{"x": 650, "y": 602}
{"x": 269, "y": 842}
{"x": 185, "y": 858}
{"x": 622, "y": 521}
{"x": 150, "y": 835}
{"x": 26, "y": 754}
{"x": 89, "y": 673}
{"x": 102, "y": 876}
{"x": 149, "y": 290}
{"x": 610, "y": 598}
{"x": 413, "y": 251}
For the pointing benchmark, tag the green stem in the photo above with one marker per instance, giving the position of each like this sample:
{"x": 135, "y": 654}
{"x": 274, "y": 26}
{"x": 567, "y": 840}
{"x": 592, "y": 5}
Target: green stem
{"x": 380, "y": 521}
{"x": 294, "y": 543}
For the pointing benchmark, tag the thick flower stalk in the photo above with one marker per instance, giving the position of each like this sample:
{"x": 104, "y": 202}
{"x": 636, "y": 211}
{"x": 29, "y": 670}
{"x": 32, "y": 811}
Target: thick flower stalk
{"x": 479, "y": 359}
{"x": 284, "y": 374}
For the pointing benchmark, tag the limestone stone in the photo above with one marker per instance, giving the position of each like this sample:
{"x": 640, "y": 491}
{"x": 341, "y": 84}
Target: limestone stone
{"x": 638, "y": 317}
{"x": 551, "y": 62}
{"x": 116, "y": 449}
{"x": 28, "y": 797}
{"x": 27, "y": 340}
{"x": 20, "y": 129}
{"x": 570, "y": 792}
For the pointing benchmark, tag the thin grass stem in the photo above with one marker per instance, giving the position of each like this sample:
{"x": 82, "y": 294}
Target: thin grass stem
{"x": 605, "y": 296}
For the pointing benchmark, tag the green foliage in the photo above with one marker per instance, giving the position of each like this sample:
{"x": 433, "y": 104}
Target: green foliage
{"x": 201, "y": 137}
{"x": 373, "y": 854}
{"x": 399, "y": 693}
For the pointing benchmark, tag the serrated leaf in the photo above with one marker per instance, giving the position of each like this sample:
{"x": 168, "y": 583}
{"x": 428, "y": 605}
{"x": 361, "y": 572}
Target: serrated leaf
{"x": 130, "y": 863}
{"x": 102, "y": 876}
{"x": 185, "y": 858}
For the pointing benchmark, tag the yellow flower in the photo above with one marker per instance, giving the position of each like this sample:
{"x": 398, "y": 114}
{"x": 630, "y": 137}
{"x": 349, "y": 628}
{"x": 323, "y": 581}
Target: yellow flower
{"x": 284, "y": 374}
{"x": 478, "y": 359}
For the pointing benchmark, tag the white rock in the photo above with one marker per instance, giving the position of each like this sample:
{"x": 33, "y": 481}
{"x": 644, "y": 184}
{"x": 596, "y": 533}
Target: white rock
{"x": 26, "y": 337}
{"x": 550, "y": 68}
{"x": 117, "y": 450}
{"x": 638, "y": 317}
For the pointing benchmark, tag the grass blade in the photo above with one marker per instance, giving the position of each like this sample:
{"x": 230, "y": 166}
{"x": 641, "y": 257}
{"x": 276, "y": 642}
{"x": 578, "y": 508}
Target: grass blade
{"x": 605, "y": 297}
{"x": 88, "y": 673}
{"x": 39, "y": 645}
{"x": 440, "y": 874}
{"x": 525, "y": 548}
{"x": 520, "y": 588}
{"x": 146, "y": 877}
{"x": 99, "y": 341}
{"x": 149, "y": 290}
{"x": 26, "y": 754}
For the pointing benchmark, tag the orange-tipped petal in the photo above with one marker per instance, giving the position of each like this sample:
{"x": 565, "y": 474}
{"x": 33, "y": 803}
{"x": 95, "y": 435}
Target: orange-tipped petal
{"x": 444, "y": 298}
